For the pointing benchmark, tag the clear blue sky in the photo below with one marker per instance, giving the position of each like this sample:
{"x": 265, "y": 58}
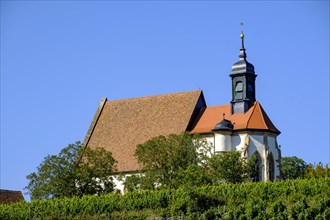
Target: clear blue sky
{"x": 58, "y": 59}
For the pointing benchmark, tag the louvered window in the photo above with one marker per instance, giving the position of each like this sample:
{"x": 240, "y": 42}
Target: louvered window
{"x": 239, "y": 90}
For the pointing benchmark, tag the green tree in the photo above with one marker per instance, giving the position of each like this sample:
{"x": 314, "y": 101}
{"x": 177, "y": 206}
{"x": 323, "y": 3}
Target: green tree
{"x": 164, "y": 159}
{"x": 292, "y": 167}
{"x": 75, "y": 171}
{"x": 317, "y": 171}
{"x": 254, "y": 168}
{"x": 194, "y": 175}
{"x": 228, "y": 167}
{"x": 93, "y": 172}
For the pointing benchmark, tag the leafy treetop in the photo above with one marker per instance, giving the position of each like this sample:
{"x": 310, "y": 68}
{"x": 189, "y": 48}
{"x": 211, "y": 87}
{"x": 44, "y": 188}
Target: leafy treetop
{"x": 75, "y": 171}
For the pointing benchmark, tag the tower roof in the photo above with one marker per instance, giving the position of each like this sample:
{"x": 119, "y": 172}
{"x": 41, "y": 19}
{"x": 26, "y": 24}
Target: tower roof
{"x": 224, "y": 125}
{"x": 255, "y": 119}
{"x": 242, "y": 66}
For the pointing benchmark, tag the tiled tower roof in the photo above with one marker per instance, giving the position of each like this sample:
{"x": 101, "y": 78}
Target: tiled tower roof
{"x": 254, "y": 119}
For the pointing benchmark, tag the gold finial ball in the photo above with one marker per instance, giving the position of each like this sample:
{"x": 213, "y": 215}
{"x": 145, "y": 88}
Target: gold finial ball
{"x": 242, "y": 35}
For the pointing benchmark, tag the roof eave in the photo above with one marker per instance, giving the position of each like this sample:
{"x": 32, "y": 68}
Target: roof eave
{"x": 277, "y": 132}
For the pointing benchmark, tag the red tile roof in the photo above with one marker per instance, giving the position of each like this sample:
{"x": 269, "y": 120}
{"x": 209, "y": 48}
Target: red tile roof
{"x": 120, "y": 125}
{"x": 9, "y": 196}
{"x": 254, "y": 119}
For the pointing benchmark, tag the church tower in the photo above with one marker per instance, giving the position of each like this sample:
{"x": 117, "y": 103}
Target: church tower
{"x": 243, "y": 83}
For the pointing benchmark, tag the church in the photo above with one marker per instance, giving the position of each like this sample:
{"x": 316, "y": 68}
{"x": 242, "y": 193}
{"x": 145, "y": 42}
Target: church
{"x": 241, "y": 125}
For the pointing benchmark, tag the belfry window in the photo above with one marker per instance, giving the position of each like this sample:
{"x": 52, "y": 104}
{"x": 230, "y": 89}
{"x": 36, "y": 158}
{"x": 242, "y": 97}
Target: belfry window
{"x": 239, "y": 90}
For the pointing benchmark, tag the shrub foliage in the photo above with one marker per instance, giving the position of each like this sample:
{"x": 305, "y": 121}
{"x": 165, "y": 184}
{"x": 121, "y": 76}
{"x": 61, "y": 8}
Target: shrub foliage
{"x": 290, "y": 199}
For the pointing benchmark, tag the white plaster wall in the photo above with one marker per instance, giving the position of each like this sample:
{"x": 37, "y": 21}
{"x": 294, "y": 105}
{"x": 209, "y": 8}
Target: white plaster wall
{"x": 211, "y": 141}
{"x": 222, "y": 142}
{"x": 256, "y": 143}
{"x": 119, "y": 184}
{"x": 273, "y": 148}
{"x": 238, "y": 142}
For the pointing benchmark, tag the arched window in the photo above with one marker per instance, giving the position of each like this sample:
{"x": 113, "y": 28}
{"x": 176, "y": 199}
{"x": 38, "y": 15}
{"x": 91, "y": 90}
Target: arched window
{"x": 255, "y": 165}
{"x": 271, "y": 167}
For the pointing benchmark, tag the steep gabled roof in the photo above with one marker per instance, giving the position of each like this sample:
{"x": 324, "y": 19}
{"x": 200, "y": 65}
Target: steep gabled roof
{"x": 10, "y": 196}
{"x": 120, "y": 125}
{"x": 254, "y": 119}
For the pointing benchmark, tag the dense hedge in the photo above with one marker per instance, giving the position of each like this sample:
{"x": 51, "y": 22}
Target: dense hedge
{"x": 298, "y": 199}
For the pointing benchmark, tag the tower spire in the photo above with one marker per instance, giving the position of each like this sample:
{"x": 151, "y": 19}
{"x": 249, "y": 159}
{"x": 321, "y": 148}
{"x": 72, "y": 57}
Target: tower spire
{"x": 242, "y": 37}
{"x": 242, "y": 54}
{"x": 243, "y": 81}
{"x": 242, "y": 34}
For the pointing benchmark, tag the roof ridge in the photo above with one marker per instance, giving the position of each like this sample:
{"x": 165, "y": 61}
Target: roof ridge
{"x": 217, "y": 106}
{"x": 152, "y": 96}
{"x": 95, "y": 120}
{"x": 268, "y": 122}
{"x": 262, "y": 114}
{"x": 8, "y": 190}
{"x": 253, "y": 109}
{"x": 196, "y": 111}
